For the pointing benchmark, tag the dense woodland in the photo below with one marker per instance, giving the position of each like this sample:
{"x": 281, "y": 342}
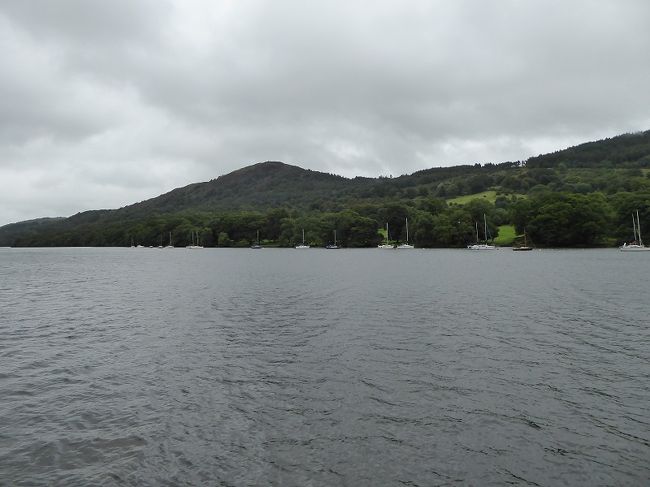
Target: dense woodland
{"x": 581, "y": 196}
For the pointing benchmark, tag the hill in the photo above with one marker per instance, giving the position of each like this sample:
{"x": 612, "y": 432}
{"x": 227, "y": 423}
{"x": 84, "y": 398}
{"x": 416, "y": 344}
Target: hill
{"x": 623, "y": 151}
{"x": 9, "y": 233}
{"x": 262, "y": 185}
{"x": 550, "y": 195}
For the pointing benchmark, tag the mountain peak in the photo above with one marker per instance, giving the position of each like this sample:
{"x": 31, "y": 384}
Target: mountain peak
{"x": 264, "y": 168}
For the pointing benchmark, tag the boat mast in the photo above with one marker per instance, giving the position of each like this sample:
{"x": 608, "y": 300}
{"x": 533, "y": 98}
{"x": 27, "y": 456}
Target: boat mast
{"x": 638, "y": 227}
{"x": 407, "y": 230}
{"x": 485, "y": 229}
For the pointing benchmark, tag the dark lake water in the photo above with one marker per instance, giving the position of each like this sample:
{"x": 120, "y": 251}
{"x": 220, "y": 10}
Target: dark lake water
{"x": 314, "y": 367}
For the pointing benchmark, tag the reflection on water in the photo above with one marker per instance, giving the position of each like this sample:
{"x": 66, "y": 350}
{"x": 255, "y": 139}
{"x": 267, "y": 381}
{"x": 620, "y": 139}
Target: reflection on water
{"x": 359, "y": 367}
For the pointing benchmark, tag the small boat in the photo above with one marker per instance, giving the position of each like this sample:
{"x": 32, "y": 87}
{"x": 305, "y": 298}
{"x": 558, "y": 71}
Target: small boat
{"x": 406, "y": 245}
{"x": 386, "y": 245}
{"x": 637, "y": 244}
{"x": 257, "y": 245}
{"x": 523, "y": 247}
{"x": 302, "y": 245}
{"x": 480, "y": 246}
{"x": 332, "y": 246}
{"x": 170, "y": 246}
{"x": 195, "y": 245}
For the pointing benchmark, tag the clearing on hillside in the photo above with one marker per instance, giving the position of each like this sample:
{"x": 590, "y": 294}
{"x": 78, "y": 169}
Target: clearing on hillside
{"x": 489, "y": 196}
{"x": 506, "y": 236}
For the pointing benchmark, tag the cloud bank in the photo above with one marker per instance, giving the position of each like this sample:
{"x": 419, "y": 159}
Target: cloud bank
{"x": 107, "y": 103}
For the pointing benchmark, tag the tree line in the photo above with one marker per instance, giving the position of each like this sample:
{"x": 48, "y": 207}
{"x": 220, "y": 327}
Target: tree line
{"x": 552, "y": 219}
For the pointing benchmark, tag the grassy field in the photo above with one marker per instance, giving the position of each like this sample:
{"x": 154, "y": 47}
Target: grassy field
{"x": 490, "y": 196}
{"x": 506, "y": 236}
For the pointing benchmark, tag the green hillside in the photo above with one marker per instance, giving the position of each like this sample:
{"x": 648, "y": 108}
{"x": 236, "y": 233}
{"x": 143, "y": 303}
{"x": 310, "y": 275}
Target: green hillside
{"x": 490, "y": 196}
{"x": 582, "y": 196}
{"x": 623, "y": 151}
{"x": 507, "y": 235}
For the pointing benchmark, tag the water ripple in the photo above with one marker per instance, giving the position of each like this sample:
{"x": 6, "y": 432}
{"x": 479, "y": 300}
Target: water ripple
{"x": 231, "y": 367}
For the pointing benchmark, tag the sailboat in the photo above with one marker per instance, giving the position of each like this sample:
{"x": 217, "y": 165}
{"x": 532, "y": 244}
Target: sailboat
{"x": 480, "y": 246}
{"x": 406, "y": 245}
{"x": 386, "y": 245}
{"x": 524, "y": 246}
{"x": 332, "y": 246}
{"x": 302, "y": 245}
{"x": 637, "y": 244}
{"x": 170, "y": 246}
{"x": 257, "y": 245}
{"x": 194, "y": 245}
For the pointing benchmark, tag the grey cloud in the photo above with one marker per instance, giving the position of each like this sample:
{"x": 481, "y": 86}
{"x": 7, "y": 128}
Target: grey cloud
{"x": 82, "y": 23}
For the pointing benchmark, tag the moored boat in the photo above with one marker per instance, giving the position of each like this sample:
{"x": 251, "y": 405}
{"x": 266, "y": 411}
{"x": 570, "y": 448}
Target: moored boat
{"x": 524, "y": 247}
{"x": 406, "y": 245}
{"x": 637, "y": 244}
{"x": 333, "y": 246}
{"x": 482, "y": 246}
{"x": 386, "y": 245}
{"x": 302, "y": 245}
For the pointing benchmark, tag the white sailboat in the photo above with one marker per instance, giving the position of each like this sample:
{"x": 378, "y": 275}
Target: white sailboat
{"x": 170, "y": 246}
{"x": 194, "y": 245}
{"x": 637, "y": 243}
{"x": 406, "y": 245}
{"x": 480, "y": 246}
{"x": 332, "y": 246}
{"x": 257, "y": 245}
{"x": 302, "y": 245}
{"x": 386, "y": 245}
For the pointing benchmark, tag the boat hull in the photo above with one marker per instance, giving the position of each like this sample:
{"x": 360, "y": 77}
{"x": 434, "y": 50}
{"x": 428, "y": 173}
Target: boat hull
{"x": 481, "y": 247}
{"x": 634, "y": 248}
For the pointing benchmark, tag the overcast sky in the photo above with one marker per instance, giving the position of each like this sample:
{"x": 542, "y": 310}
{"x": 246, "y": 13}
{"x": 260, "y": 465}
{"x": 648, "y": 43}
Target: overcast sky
{"x": 105, "y": 103}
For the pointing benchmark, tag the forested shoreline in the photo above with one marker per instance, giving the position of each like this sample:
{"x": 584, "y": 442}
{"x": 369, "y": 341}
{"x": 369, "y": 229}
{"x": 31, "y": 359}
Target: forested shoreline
{"x": 580, "y": 197}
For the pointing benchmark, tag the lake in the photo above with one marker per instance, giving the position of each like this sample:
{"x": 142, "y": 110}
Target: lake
{"x": 324, "y": 367}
